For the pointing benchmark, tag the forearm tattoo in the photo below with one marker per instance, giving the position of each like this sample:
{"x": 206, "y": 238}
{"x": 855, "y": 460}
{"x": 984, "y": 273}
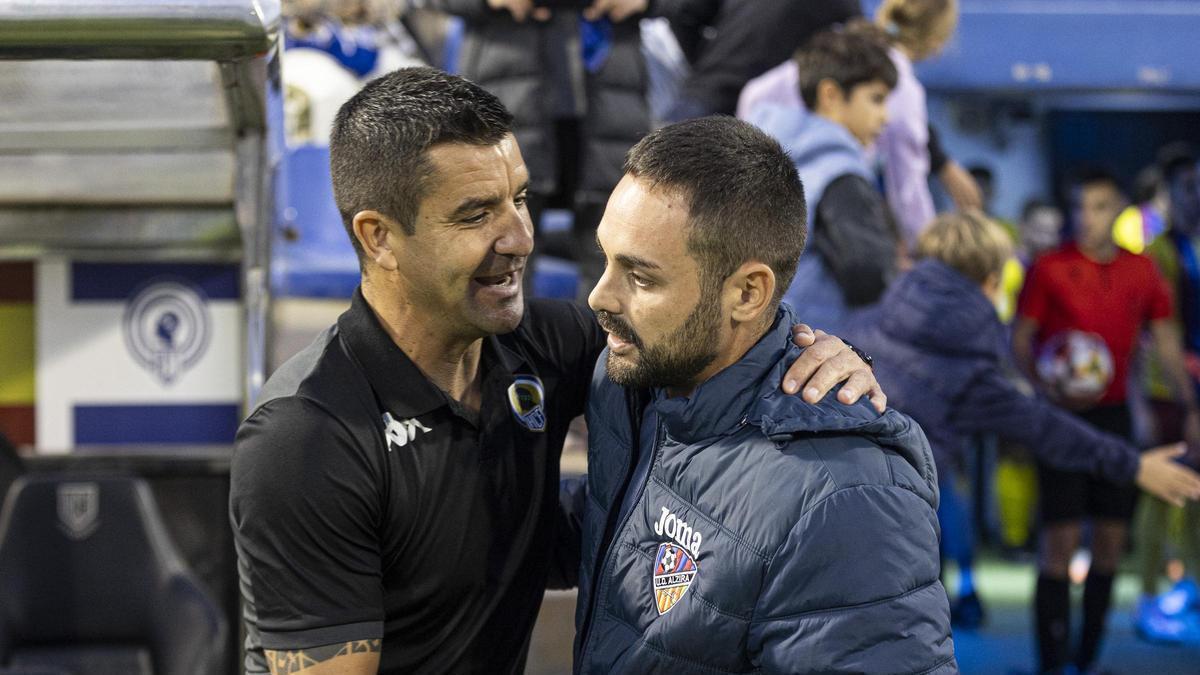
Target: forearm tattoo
{"x": 289, "y": 662}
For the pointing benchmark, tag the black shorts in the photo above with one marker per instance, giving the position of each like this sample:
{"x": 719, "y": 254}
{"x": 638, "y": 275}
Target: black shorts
{"x": 1072, "y": 495}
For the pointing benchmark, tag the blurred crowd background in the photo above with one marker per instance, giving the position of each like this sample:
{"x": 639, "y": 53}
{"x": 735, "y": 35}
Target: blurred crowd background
{"x": 1065, "y": 160}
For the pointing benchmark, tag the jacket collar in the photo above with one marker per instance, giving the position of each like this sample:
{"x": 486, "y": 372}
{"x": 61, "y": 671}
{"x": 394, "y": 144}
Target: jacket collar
{"x": 720, "y": 404}
{"x": 748, "y": 392}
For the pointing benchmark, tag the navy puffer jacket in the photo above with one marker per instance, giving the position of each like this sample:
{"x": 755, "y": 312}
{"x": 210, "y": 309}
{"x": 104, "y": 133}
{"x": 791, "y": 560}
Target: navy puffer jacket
{"x": 771, "y": 535}
{"x": 942, "y": 356}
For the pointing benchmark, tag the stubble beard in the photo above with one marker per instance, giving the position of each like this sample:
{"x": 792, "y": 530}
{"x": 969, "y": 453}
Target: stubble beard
{"x": 678, "y": 359}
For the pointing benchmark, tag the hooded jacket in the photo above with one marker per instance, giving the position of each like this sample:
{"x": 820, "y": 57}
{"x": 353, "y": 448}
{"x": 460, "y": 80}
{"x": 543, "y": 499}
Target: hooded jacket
{"x": 854, "y": 243}
{"x": 770, "y": 535}
{"x": 941, "y": 354}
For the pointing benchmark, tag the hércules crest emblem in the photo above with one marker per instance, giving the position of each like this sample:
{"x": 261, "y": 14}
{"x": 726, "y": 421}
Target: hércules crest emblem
{"x": 526, "y": 396}
{"x": 167, "y": 327}
{"x": 78, "y": 509}
{"x": 674, "y": 571}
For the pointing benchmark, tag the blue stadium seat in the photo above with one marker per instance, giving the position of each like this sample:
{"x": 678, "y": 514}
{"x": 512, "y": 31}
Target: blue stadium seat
{"x": 311, "y": 256}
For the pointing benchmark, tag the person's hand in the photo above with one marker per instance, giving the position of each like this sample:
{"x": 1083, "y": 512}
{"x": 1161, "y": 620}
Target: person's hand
{"x": 827, "y": 361}
{"x": 617, "y": 10}
{"x": 521, "y": 9}
{"x": 961, "y": 186}
{"x": 1160, "y": 475}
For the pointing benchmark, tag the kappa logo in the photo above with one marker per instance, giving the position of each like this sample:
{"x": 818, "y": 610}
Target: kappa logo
{"x": 526, "y": 396}
{"x": 400, "y": 432}
{"x": 167, "y": 328}
{"x": 78, "y": 509}
{"x": 674, "y": 571}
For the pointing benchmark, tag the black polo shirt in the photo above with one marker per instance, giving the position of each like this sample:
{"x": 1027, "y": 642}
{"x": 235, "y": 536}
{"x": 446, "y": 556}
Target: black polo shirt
{"x": 368, "y": 504}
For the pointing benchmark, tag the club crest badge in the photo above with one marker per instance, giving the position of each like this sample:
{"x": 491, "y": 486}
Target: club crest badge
{"x": 167, "y": 328}
{"x": 526, "y": 396}
{"x": 674, "y": 571}
{"x": 78, "y": 509}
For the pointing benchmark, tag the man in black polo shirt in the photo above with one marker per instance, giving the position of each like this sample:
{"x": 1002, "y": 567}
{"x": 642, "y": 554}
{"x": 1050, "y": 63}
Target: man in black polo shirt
{"x": 395, "y": 493}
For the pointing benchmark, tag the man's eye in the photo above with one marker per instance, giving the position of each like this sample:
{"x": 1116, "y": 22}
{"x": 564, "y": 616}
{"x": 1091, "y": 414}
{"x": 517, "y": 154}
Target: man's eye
{"x": 521, "y": 199}
{"x": 475, "y": 219}
{"x": 639, "y": 280}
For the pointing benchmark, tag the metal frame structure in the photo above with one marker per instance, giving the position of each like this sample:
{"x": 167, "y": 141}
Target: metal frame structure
{"x": 140, "y": 160}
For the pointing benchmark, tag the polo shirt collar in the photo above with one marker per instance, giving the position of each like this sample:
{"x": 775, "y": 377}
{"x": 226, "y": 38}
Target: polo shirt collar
{"x": 402, "y": 388}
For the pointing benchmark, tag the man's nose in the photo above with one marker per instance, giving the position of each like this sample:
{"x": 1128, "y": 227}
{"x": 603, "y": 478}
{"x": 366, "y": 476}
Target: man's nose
{"x": 601, "y": 297}
{"x": 517, "y": 238}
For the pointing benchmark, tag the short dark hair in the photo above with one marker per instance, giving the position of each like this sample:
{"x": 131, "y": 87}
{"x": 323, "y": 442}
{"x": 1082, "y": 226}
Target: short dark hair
{"x": 850, "y": 56}
{"x": 377, "y": 151}
{"x": 745, "y": 200}
{"x": 1095, "y": 176}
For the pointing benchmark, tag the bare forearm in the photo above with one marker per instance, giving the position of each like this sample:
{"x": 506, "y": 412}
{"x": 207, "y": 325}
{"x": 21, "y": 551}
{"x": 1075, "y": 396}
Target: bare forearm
{"x": 360, "y": 657}
{"x": 1022, "y": 346}
{"x": 1169, "y": 346}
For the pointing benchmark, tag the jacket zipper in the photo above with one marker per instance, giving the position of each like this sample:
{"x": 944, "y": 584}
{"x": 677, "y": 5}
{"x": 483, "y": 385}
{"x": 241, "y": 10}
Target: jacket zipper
{"x": 606, "y": 554}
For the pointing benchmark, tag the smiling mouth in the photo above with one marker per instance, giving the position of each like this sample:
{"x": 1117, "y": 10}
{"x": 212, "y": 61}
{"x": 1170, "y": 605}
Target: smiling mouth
{"x": 503, "y": 279}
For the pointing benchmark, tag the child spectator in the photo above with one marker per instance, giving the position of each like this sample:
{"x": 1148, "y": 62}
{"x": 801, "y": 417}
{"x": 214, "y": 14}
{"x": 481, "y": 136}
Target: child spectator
{"x": 845, "y": 77}
{"x": 916, "y": 30}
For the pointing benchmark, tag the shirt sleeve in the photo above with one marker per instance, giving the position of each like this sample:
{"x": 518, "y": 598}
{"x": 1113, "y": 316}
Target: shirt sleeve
{"x": 992, "y": 404}
{"x": 305, "y": 511}
{"x": 855, "y": 239}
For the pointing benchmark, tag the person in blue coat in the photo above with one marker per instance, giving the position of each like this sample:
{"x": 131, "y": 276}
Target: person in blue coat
{"x": 942, "y": 353}
{"x": 728, "y": 527}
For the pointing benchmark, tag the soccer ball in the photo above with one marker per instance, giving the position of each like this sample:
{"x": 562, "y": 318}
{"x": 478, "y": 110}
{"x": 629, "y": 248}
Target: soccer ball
{"x": 1075, "y": 367}
{"x": 668, "y": 560}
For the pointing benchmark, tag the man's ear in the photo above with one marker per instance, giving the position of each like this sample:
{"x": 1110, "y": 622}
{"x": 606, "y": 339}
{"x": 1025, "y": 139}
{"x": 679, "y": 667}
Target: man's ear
{"x": 751, "y": 288}
{"x": 373, "y": 230}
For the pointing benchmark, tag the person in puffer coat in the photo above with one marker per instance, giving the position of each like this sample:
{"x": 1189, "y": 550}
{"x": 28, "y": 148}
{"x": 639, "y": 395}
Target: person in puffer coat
{"x": 729, "y": 528}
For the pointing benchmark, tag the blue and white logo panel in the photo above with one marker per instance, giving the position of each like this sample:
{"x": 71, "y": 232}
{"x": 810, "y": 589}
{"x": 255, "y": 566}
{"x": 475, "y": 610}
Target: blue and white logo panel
{"x": 138, "y": 353}
{"x": 167, "y": 327}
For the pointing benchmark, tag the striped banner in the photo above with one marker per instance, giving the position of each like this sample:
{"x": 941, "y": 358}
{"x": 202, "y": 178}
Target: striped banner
{"x": 144, "y": 353}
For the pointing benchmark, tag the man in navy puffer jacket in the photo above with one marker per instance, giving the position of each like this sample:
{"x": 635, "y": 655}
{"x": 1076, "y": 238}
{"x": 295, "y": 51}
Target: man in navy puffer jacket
{"x": 730, "y": 528}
